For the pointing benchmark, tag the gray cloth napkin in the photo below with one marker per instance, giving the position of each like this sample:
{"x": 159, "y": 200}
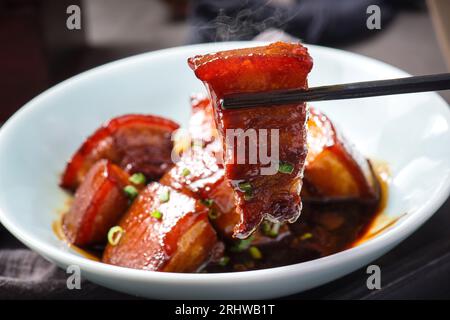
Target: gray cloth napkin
{"x": 23, "y": 274}
{"x": 26, "y": 275}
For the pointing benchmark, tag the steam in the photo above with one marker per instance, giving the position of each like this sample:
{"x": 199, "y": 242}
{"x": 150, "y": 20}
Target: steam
{"x": 255, "y": 18}
{"x": 243, "y": 25}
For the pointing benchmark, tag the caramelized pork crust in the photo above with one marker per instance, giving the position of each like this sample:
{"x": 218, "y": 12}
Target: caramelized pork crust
{"x": 137, "y": 143}
{"x": 163, "y": 230}
{"x": 200, "y": 173}
{"x": 334, "y": 169}
{"x": 262, "y": 190}
{"x": 98, "y": 204}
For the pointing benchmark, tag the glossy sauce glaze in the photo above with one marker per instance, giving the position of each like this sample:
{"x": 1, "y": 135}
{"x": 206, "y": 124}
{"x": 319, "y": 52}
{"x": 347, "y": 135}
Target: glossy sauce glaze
{"x": 322, "y": 229}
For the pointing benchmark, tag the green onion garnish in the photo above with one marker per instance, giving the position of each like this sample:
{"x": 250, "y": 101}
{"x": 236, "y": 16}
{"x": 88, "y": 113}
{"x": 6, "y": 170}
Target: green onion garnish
{"x": 137, "y": 178}
{"x": 270, "y": 229}
{"x": 207, "y": 202}
{"x": 114, "y": 235}
{"x": 131, "y": 192}
{"x": 285, "y": 168}
{"x": 224, "y": 261}
{"x": 164, "y": 196}
{"x": 156, "y": 214}
{"x": 245, "y": 186}
{"x": 242, "y": 245}
{"x": 265, "y": 227}
{"x": 255, "y": 253}
{"x": 306, "y": 236}
{"x": 212, "y": 214}
{"x": 248, "y": 195}
{"x": 185, "y": 172}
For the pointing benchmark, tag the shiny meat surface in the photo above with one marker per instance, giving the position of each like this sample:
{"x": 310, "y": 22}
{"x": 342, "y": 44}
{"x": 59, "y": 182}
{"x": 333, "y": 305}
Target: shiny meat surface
{"x": 334, "y": 169}
{"x": 260, "y": 192}
{"x": 163, "y": 230}
{"x": 200, "y": 174}
{"x": 98, "y": 204}
{"x": 137, "y": 143}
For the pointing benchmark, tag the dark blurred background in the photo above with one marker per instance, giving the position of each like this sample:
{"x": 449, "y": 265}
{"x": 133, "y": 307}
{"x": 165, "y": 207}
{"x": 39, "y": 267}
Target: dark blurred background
{"x": 37, "y": 51}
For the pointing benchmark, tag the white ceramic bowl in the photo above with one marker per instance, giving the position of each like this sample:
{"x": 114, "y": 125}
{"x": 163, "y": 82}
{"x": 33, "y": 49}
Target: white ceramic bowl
{"x": 410, "y": 132}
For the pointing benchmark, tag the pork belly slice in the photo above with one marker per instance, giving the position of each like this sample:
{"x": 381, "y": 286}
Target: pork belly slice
{"x": 197, "y": 170}
{"x": 98, "y": 204}
{"x": 334, "y": 169}
{"x": 202, "y": 128}
{"x": 200, "y": 173}
{"x": 163, "y": 230}
{"x": 137, "y": 143}
{"x": 261, "y": 190}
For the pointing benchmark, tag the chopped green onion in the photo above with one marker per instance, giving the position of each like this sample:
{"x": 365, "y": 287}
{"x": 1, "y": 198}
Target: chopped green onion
{"x": 212, "y": 214}
{"x": 114, "y": 235}
{"x": 224, "y": 261}
{"x": 266, "y": 227}
{"x": 255, "y": 253}
{"x": 207, "y": 202}
{"x": 131, "y": 192}
{"x": 286, "y": 168}
{"x": 185, "y": 172}
{"x": 164, "y": 196}
{"x": 137, "y": 178}
{"x": 270, "y": 229}
{"x": 248, "y": 195}
{"x": 245, "y": 186}
{"x": 306, "y": 236}
{"x": 242, "y": 245}
{"x": 156, "y": 214}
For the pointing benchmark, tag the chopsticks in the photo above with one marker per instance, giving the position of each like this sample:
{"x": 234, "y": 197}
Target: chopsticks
{"x": 433, "y": 82}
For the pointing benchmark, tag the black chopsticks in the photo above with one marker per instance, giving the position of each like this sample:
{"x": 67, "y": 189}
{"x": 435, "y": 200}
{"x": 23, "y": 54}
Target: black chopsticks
{"x": 433, "y": 82}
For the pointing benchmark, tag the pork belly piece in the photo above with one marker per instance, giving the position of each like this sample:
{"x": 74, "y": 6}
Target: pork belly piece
{"x": 137, "y": 143}
{"x": 200, "y": 173}
{"x": 98, "y": 204}
{"x": 195, "y": 174}
{"x": 197, "y": 170}
{"x": 203, "y": 132}
{"x": 262, "y": 189}
{"x": 202, "y": 128}
{"x": 163, "y": 230}
{"x": 333, "y": 168}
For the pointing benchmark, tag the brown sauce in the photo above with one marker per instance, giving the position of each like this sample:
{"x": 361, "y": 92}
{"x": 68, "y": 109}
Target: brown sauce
{"x": 322, "y": 229}
{"x": 93, "y": 254}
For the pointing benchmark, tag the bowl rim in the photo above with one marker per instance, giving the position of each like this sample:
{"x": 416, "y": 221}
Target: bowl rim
{"x": 394, "y": 234}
